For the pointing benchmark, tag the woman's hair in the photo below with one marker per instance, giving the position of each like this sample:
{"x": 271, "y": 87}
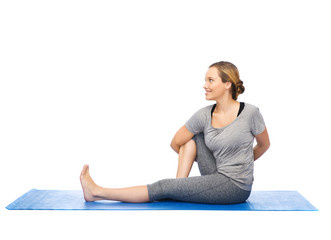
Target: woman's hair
{"x": 229, "y": 73}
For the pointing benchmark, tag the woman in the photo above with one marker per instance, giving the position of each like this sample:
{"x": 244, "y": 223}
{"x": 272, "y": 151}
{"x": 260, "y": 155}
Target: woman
{"x": 219, "y": 137}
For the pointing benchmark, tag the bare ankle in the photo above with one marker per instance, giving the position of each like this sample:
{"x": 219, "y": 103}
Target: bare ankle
{"x": 97, "y": 192}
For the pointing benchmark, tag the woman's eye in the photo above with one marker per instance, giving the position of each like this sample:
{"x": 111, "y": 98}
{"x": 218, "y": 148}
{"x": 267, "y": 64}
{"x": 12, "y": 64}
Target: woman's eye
{"x": 210, "y": 80}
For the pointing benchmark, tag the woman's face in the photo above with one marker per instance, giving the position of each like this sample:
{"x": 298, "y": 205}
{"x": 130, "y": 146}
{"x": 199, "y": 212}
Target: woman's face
{"x": 214, "y": 86}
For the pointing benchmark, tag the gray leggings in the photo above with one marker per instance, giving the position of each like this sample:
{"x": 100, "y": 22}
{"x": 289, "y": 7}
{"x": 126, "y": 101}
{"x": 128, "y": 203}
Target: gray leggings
{"x": 211, "y": 187}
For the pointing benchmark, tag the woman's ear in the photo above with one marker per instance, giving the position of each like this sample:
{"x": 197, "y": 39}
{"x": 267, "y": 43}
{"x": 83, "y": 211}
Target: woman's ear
{"x": 228, "y": 85}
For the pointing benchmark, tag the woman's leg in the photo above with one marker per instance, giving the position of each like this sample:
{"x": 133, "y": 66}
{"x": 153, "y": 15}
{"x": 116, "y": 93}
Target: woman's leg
{"x": 211, "y": 189}
{"x": 195, "y": 150}
{"x": 197, "y": 189}
{"x": 93, "y": 192}
{"x": 204, "y": 157}
{"x": 186, "y": 157}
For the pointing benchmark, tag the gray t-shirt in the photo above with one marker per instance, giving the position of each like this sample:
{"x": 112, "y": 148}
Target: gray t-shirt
{"x": 232, "y": 145}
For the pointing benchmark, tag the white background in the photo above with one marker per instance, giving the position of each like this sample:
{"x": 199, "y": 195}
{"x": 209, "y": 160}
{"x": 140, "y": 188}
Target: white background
{"x": 110, "y": 82}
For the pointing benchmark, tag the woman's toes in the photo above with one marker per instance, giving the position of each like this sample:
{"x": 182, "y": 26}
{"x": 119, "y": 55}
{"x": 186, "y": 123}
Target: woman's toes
{"x": 85, "y": 170}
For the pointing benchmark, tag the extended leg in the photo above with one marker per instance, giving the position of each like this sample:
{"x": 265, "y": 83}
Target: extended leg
{"x": 213, "y": 189}
{"x": 186, "y": 157}
{"x": 93, "y": 192}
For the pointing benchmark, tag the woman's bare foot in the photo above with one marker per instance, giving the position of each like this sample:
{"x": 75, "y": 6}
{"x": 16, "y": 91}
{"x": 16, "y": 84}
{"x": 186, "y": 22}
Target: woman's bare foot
{"x": 90, "y": 189}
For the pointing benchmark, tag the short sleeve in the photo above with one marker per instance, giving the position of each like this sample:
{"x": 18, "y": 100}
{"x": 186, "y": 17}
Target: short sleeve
{"x": 258, "y": 124}
{"x": 196, "y": 123}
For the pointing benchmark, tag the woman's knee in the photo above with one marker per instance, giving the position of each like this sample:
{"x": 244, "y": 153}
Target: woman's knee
{"x": 197, "y": 138}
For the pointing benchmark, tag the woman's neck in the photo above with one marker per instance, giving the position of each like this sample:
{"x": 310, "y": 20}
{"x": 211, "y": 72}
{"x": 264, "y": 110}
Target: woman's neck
{"x": 226, "y": 105}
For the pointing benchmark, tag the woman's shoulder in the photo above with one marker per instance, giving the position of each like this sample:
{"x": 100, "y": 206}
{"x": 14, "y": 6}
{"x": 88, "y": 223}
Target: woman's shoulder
{"x": 251, "y": 108}
{"x": 204, "y": 111}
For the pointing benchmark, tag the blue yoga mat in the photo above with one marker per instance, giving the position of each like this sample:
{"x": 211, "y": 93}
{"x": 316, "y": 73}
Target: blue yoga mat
{"x": 74, "y": 200}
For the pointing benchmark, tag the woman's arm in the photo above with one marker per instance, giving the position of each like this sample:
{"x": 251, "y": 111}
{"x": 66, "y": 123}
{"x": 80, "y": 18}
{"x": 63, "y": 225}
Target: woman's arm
{"x": 262, "y": 145}
{"x": 182, "y": 136}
